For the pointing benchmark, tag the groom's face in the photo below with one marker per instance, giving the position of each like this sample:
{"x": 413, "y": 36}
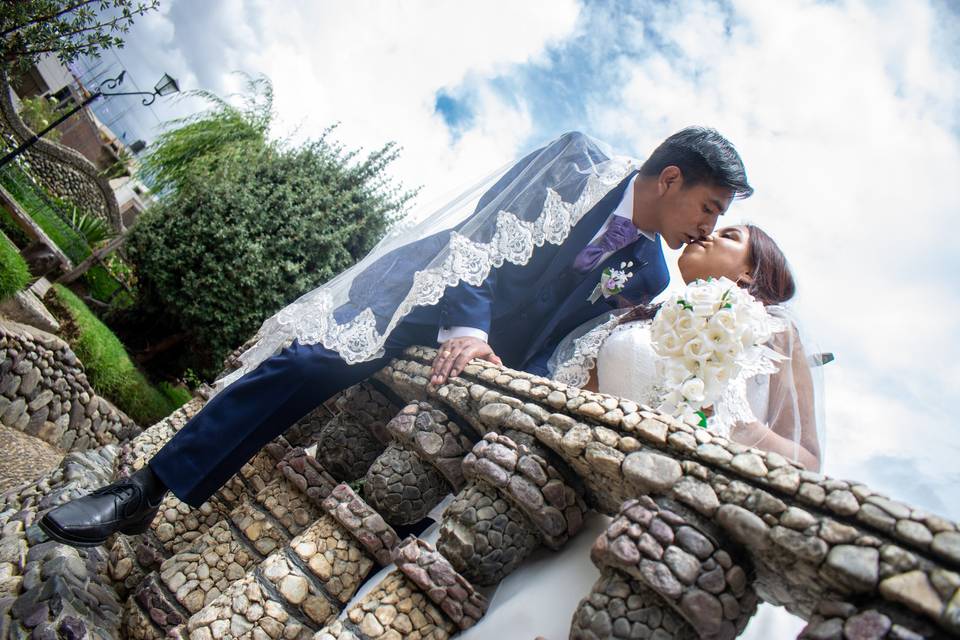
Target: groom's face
{"x": 688, "y": 213}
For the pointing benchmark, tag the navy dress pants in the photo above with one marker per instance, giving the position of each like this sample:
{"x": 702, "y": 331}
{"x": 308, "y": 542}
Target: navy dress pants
{"x": 261, "y": 405}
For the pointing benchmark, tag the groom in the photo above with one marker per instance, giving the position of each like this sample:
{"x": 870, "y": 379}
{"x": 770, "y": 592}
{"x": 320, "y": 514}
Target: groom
{"x": 515, "y": 317}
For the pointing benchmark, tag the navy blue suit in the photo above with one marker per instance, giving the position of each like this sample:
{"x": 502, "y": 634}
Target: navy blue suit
{"x": 526, "y": 310}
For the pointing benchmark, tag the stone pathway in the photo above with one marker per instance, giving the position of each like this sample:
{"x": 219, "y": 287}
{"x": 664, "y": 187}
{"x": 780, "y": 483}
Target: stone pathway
{"x": 24, "y": 458}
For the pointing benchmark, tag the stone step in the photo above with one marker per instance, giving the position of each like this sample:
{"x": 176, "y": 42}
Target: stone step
{"x": 304, "y": 585}
{"x": 40, "y": 287}
{"x": 423, "y": 598}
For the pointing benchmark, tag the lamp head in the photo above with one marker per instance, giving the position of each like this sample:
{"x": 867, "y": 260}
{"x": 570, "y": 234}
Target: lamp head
{"x": 166, "y": 86}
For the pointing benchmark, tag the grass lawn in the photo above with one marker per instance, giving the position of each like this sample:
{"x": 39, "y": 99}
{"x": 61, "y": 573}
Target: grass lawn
{"x": 14, "y": 274}
{"x": 109, "y": 368}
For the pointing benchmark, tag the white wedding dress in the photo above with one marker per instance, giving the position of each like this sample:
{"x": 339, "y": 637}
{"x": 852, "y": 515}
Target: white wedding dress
{"x": 626, "y": 365}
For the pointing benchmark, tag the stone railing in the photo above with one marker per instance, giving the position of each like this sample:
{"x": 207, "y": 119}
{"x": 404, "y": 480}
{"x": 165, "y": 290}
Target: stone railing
{"x": 45, "y": 393}
{"x": 703, "y": 528}
{"x": 63, "y": 171}
{"x": 726, "y": 524}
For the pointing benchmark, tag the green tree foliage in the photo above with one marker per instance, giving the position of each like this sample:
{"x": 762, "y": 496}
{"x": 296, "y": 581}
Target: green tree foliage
{"x": 245, "y": 225}
{"x": 66, "y": 28}
{"x": 198, "y": 140}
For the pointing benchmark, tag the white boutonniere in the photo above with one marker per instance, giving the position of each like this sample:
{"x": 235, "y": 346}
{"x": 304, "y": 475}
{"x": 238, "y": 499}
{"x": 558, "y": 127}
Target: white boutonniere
{"x": 612, "y": 282}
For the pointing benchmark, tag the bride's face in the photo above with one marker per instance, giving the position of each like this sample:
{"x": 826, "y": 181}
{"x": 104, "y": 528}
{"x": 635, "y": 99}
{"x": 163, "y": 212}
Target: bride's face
{"x": 726, "y": 252}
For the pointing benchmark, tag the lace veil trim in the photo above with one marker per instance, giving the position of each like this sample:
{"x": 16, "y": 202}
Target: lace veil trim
{"x": 311, "y": 320}
{"x": 734, "y": 406}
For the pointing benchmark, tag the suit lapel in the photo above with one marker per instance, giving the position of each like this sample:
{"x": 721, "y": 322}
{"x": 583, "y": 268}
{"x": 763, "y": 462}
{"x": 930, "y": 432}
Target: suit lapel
{"x": 577, "y": 303}
{"x": 582, "y": 233}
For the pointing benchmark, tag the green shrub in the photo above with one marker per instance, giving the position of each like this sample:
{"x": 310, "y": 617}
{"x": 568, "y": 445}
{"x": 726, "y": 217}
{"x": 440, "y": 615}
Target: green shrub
{"x": 244, "y": 225}
{"x": 234, "y": 245}
{"x": 14, "y": 274}
{"x": 94, "y": 229}
{"x": 111, "y": 372}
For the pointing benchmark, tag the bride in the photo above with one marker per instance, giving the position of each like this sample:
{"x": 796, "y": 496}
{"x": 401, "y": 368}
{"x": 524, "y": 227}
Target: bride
{"x": 776, "y": 410}
{"x": 771, "y": 405}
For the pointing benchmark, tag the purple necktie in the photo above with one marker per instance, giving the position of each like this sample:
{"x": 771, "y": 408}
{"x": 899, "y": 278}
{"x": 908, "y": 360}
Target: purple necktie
{"x": 618, "y": 234}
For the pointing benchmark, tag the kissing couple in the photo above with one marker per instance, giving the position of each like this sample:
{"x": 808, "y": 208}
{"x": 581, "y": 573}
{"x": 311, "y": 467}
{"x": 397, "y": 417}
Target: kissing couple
{"x": 549, "y": 266}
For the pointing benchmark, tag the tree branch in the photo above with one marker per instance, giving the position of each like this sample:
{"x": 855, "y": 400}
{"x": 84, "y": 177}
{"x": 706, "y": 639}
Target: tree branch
{"x": 46, "y": 18}
{"x": 111, "y": 23}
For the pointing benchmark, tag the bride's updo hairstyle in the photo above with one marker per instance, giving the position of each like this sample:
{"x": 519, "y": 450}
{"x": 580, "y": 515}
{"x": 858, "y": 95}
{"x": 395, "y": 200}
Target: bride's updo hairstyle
{"x": 772, "y": 281}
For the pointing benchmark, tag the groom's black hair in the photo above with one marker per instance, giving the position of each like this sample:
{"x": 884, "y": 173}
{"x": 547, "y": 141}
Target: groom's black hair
{"x": 702, "y": 155}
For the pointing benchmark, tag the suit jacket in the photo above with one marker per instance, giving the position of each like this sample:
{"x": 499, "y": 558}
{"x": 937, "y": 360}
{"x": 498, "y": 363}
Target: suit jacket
{"x": 527, "y": 309}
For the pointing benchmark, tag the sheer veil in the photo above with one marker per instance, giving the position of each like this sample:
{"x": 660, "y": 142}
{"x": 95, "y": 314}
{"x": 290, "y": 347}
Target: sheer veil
{"x": 790, "y": 402}
{"x": 503, "y": 218}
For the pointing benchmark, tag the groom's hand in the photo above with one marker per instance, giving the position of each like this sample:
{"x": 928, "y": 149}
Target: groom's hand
{"x": 454, "y": 354}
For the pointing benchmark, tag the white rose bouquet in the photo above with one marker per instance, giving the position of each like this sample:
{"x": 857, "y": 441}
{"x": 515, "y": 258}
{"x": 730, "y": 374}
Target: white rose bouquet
{"x": 703, "y": 337}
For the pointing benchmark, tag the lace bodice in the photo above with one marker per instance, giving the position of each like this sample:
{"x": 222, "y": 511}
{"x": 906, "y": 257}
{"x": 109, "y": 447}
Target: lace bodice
{"x": 627, "y": 367}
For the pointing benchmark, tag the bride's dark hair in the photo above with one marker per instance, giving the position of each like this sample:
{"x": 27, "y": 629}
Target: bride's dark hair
{"x": 772, "y": 281}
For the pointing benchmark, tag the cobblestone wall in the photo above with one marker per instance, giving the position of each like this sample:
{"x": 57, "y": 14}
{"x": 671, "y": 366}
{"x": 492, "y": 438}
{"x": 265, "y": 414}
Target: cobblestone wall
{"x": 45, "y": 393}
{"x": 702, "y": 530}
{"x": 49, "y": 590}
{"x": 63, "y": 171}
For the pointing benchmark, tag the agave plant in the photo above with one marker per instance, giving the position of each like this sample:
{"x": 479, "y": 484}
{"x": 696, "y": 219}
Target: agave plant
{"x": 94, "y": 229}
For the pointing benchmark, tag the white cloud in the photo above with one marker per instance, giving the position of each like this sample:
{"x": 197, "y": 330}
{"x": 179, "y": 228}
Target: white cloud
{"x": 376, "y": 68}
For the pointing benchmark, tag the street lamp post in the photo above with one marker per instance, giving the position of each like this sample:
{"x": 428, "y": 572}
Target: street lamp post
{"x": 166, "y": 86}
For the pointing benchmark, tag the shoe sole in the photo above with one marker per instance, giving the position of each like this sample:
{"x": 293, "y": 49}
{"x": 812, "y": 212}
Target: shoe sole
{"x": 55, "y": 533}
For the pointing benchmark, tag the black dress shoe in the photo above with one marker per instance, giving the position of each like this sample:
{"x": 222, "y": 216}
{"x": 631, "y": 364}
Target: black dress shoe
{"x": 127, "y": 506}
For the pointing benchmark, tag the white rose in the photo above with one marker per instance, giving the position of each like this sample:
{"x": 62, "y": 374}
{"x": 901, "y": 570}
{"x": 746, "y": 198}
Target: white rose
{"x": 702, "y": 293}
{"x": 685, "y": 323}
{"x": 691, "y": 366}
{"x": 704, "y": 309}
{"x": 697, "y": 349}
{"x": 667, "y": 313}
{"x": 692, "y": 390}
{"x": 724, "y": 320}
{"x": 669, "y": 344}
{"x": 715, "y": 379}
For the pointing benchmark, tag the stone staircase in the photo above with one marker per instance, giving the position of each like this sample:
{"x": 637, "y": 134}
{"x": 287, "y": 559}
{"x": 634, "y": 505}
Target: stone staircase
{"x": 703, "y": 528}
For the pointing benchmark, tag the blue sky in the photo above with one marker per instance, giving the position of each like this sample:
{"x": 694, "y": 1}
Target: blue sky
{"x": 846, "y": 114}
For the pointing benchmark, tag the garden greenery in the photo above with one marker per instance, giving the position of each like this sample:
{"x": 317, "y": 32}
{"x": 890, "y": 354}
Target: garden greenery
{"x": 14, "y": 274}
{"x": 244, "y": 225}
{"x": 108, "y": 366}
